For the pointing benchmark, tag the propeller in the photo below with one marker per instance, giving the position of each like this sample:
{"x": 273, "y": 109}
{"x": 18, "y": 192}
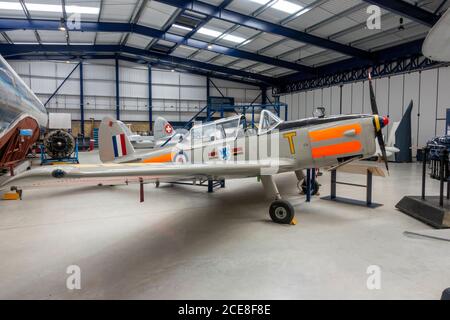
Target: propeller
{"x": 385, "y": 121}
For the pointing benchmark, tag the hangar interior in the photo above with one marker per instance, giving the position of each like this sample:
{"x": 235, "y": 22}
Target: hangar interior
{"x": 137, "y": 60}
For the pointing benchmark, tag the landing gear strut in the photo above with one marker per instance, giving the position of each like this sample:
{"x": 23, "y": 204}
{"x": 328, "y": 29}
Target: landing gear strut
{"x": 281, "y": 211}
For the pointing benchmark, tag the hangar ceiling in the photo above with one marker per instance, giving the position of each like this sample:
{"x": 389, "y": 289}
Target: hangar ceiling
{"x": 265, "y": 42}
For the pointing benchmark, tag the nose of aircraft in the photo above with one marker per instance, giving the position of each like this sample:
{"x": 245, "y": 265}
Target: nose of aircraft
{"x": 384, "y": 121}
{"x": 380, "y": 122}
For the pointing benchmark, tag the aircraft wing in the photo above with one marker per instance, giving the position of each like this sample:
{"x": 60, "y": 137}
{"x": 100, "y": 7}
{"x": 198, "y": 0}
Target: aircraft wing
{"x": 112, "y": 174}
{"x": 437, "y": 44}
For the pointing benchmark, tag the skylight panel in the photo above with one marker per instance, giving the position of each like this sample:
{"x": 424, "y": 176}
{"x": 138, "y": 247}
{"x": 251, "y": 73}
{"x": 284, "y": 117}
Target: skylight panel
{"x": 178, "y": 26}
{"x": 236, "y": 39}
{"x": 286, "y": 6}
{"x": 48, "y": 8}
{"x": 210, "y": 32}
{"x": 282, "y": 5}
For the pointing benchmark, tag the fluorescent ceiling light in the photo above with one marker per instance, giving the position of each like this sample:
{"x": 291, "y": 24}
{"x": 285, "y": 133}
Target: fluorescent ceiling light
{"x": 232, "y": 38}
{"x": 286, "y": 6}
{"x": 282, "y": 5}
{"x": 261, "y": 1}
{"x": 217, "y": 34}
{"x": 48, "y": 8}
{"x": 209, "y": 32}
{"x": 181, "y": 27}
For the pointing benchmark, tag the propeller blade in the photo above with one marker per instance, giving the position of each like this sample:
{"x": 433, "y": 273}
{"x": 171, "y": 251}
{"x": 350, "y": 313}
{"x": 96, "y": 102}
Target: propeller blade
{"x": 373, "y": 100}
{"x": 383, "y": 149}
{"x": 379, "y": 134}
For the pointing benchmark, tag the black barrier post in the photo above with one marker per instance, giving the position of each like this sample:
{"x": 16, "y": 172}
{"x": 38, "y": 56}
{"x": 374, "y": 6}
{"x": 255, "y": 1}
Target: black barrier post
{"x": 424, "y": 171}
{"x": 442, "y": 157}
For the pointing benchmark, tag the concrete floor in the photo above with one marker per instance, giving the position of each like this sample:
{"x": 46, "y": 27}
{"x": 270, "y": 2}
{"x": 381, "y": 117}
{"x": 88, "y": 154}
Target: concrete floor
{"x": 183, "y": 243}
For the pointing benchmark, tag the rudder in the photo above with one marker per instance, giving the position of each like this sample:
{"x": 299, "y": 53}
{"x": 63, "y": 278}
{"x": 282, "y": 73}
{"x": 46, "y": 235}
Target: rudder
{"x": 113, "y": 141}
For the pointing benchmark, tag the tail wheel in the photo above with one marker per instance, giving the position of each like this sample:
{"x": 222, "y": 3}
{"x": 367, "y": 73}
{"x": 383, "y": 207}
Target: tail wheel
{"x": 281, "y": 212}
{"x": 314, "y": 190}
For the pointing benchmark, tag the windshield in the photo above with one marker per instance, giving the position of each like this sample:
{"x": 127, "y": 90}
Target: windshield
{"x": 268, "y": 122}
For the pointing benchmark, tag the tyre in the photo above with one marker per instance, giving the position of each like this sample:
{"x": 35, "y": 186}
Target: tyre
{"x": 281, "y": 212}
{"x": 315, "y": 187}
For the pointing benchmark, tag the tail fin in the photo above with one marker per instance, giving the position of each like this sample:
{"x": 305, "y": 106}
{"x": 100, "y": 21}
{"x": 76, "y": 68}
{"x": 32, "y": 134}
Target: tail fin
{"x": 113, "y": 141}
{"x": 163, "y": 129}
{"x": 391, "y": 139}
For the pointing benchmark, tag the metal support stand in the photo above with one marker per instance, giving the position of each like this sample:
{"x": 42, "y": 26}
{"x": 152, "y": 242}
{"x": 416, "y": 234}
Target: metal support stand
{"x": 210, "y": 186}
{"x": 308, "y": 185}
{"x": 368, "y": 203}
{"x": 141, "y": 189}
{"x": 432, "y": 210}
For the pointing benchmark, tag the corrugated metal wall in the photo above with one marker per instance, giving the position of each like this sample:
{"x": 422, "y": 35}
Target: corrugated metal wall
{"x": 430, "y": 91}
{"x": 176, "y": 96}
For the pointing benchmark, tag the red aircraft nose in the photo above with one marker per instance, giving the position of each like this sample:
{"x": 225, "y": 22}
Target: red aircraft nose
{"x": 384, "y": 121}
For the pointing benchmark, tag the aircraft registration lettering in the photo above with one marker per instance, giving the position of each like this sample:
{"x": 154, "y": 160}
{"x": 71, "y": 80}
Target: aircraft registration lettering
{"x": 290, "y": 137}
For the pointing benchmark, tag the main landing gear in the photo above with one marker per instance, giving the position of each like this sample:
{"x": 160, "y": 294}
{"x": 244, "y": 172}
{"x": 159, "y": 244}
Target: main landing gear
{"x": 281, "y": 211}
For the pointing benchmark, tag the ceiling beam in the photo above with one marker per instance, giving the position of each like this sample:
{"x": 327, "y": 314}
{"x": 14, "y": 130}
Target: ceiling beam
{"x": 46, "y": 57}
{"x": 9, "y": 50}
{"x": 401, "y": 51}
{"x": 259, "y": 24}
{"x": 407, "y": 10}
{"x": 17, "y": 24}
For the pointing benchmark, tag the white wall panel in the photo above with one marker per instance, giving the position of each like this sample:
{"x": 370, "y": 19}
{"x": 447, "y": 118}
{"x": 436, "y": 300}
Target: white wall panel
{"x": 289, "y": 103}
{"x": 443, "y": 99}
{"x": 309, "y": 104}
{"x": 43, "y": 85}
{"x": 326, "y": 101}
{"x": 302, "y": 105}
{"x": 192, "y": 80}
{"x": 428, "y": 101}
{"x": 133, "y": 90}
{"x": 396, "y": 104}
{"x": 194, "y": 93}
{"x": 366, "y": 95}
{"x": 317, "y": 98}
{"x": 357, "y": 98}
{"x": 335, "y": 100}
{"x": 412, "y": 88}
{"x": 381, "y": 87}
{"x": 294, "y": 110}
{"x": 64, "y": 69}
{"x": 99, "y": 88}
{"x": 347, "y": 99}
{"x": 100, "y": 72}
{"x": 163, "y": 92}
{"x": 162, "y": 77}
{"x": 133, "y": 75}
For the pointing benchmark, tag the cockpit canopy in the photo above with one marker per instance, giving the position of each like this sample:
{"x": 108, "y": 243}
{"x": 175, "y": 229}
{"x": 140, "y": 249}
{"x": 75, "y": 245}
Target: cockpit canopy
{"x": 231, "y": 128}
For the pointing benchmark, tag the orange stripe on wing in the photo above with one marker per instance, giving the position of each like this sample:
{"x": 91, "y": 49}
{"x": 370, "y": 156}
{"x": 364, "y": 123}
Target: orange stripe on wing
{"x": 336, "y": 149}
{"x": 333, "y": 133}
{"x": 167, "y": 157}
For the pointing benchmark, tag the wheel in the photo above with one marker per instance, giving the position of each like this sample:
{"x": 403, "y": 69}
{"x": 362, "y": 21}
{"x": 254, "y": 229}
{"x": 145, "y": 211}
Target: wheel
{"x": 281, "y": 212}
{"x": 315, "y": 187}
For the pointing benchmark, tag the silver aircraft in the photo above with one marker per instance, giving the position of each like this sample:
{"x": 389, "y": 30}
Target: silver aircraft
{"x": 22, "y": 115}
{"x": 226, "y": 150}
